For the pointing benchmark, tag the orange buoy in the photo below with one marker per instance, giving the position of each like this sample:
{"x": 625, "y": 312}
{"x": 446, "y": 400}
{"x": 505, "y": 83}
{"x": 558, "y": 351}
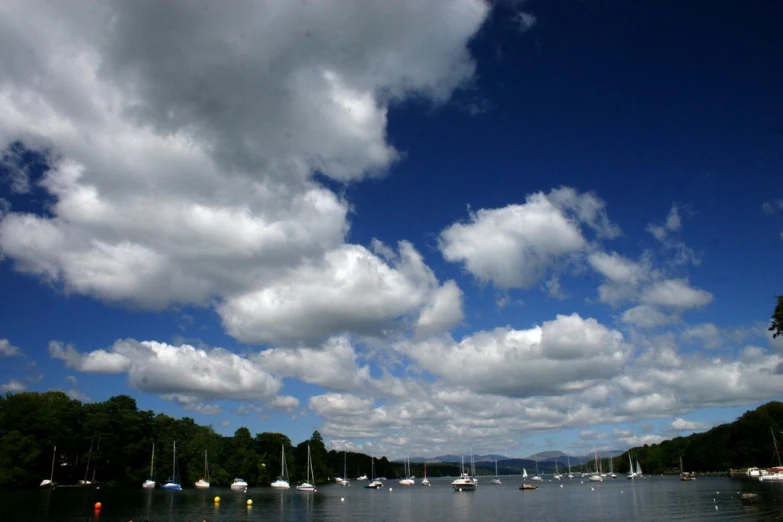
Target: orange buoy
{"x": 98, "y": 505}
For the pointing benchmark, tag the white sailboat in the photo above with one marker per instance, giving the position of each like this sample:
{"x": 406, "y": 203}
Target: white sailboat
{"x": 150, "y": 482}
{"x": 173, "y": 483}
{"x": 425, "y": 481}
{"x": 638, "y": 469}
{"x": 307, "y": 485}
{"x": 374, "y": 483}
{"x": 343, "y": 481}
{"x": 557, "y": 475}
{"x": 536, "y": 477}
{"x": 596, "y": 476}
{"x": 49, "y": 483}
{"x": 631, "y": 474}
{"x": 407, "y": 480}
{"x": 774, "y": 474}
{"x": 282, "y": 480}
{"x": 239, "y": 484}
{"x": 465, "y": 482}
{"x": 203, "y": 482}
{"x": 496, "y": 480}
{"x": 570, "y": 475}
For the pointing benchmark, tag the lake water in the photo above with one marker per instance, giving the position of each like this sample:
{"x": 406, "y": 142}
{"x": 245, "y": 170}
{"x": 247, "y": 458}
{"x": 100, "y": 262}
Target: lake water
{"x": 652, "y": 498}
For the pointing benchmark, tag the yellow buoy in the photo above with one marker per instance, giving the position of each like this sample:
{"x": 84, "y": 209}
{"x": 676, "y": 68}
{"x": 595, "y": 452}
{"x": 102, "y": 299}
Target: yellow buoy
{"x": 217, "y": 499}
{"x": 250, "y": 502}
{"x": 98, "y": 505}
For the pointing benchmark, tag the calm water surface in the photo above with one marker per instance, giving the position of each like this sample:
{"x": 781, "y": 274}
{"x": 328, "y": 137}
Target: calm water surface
{"x": 653, "y": 498}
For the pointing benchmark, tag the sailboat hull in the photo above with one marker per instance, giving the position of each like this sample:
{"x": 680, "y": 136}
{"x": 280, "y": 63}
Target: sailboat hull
{"x": 171, "y": 486}
{"x": 202, "y": 484}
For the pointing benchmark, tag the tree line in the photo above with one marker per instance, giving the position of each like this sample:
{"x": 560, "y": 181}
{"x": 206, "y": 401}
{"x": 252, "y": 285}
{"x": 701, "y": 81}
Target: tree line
{"x": 110, "y": 443}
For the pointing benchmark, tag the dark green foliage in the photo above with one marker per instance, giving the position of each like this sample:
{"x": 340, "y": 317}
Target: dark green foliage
{"x": 110, "y": 443}
{"x": 777, "y": 318}
{"x": 743, "y": 443}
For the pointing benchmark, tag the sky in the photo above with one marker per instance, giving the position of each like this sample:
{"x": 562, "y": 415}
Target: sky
{"x": 419, "y": 227}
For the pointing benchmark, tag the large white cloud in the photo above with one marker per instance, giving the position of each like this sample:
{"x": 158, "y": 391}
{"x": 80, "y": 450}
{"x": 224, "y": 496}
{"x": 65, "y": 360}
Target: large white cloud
{"x": 515, "y": 246}
{"x": 183, "y": 373}
{"x": 182, "y": 139}
{"x": 351, "y": 289}
{"x": 567, "y": 354}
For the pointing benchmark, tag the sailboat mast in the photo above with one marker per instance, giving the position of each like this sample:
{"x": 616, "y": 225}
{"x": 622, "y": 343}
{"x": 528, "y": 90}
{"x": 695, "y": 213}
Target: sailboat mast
{"x": 54, "y": 453}
{"x": 152, "y": 461}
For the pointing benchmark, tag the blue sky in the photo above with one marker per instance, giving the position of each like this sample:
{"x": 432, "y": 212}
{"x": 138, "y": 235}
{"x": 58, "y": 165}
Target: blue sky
{"x": 415, "y": 226}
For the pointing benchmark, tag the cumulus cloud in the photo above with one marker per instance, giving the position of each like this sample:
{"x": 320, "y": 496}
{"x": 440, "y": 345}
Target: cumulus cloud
{"x": 676, "y": 293}
{"x": 352, "y": 289}
{"x": 182, "y": 373}
{"x": 515, "y": 246}
{"x": 333, "y": 365}
{"x": 7, "y": 349}
{"x": 680, "y": 424}
{"x": 666, "y": 232}
{"x": 13, "y": 386}
{"x": 567, "y": 354}
{"x": 645, "y": 316}
{"x": 182, "y": 142}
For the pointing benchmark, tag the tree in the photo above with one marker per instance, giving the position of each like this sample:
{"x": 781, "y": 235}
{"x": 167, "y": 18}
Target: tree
{"x": 777, "y": 318}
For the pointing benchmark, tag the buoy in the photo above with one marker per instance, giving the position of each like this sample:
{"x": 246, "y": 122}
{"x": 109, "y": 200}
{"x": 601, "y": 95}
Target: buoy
{"x": 342, "y": 499}
{"x": 98, "y": 505}
{"x": 250, "y": 502}
{"x": 217, "y": 500}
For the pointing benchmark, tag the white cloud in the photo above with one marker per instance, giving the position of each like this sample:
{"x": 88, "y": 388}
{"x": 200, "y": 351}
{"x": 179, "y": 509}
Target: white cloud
{"x": 567, "y": 354}
{"x": 617, "y": 268}
{"x": 645, "y": 316}
{"x": 682, "y": 253}
{"x": 98, "y": 361}
{"x": 772, "y": 206}
{"x": 13, "y": 386}
{"x": 515, "y": 246}
{"x": 7, "y": 349}
{"x": 636, "y": 441}
{"x": 352, "y": 289}
{"x": 707, "y": 334}
{"x": 183, "y": 373}
{"x": 340, "y": 404}
{"x": 680, "y": 424}
{"x": 676, "y": 293}
{"x": 443, "y": 311}
{"x": 182, "y": 139}
{"x": 334, "y": 365}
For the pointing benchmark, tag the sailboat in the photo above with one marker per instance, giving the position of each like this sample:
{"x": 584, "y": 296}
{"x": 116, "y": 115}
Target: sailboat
{"x": 203, "y": 482}
{"x": 465, "y": 482}
{"x": 631, "y": 474}
{"x": 686, "y": 476}
{"x": 307, "y": 485}
{"x": 536, "y": 476}
{"x": 611, "y": 468}
{"x": 239, "y": 484}
{"x": 343, "y": 481}
{"x": 496, "y": 480}
{"x": 638, "y": 468}
{"x": 557, "y": 475}
{"x": 282, "y": 480}
{"x": 425, "y": 481}
{"x": 150, "y": 482}
{"x": 570, "y": 475}
{"x": 173, "y": 483}
{"x": 525, "y": 485}
{"x": 774, "y": 474}
{"x": 49, "y": 483}
{"x": 374, "y": 483}
{"x": 407, "y": 480}
{"x": 596, "y": 476}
